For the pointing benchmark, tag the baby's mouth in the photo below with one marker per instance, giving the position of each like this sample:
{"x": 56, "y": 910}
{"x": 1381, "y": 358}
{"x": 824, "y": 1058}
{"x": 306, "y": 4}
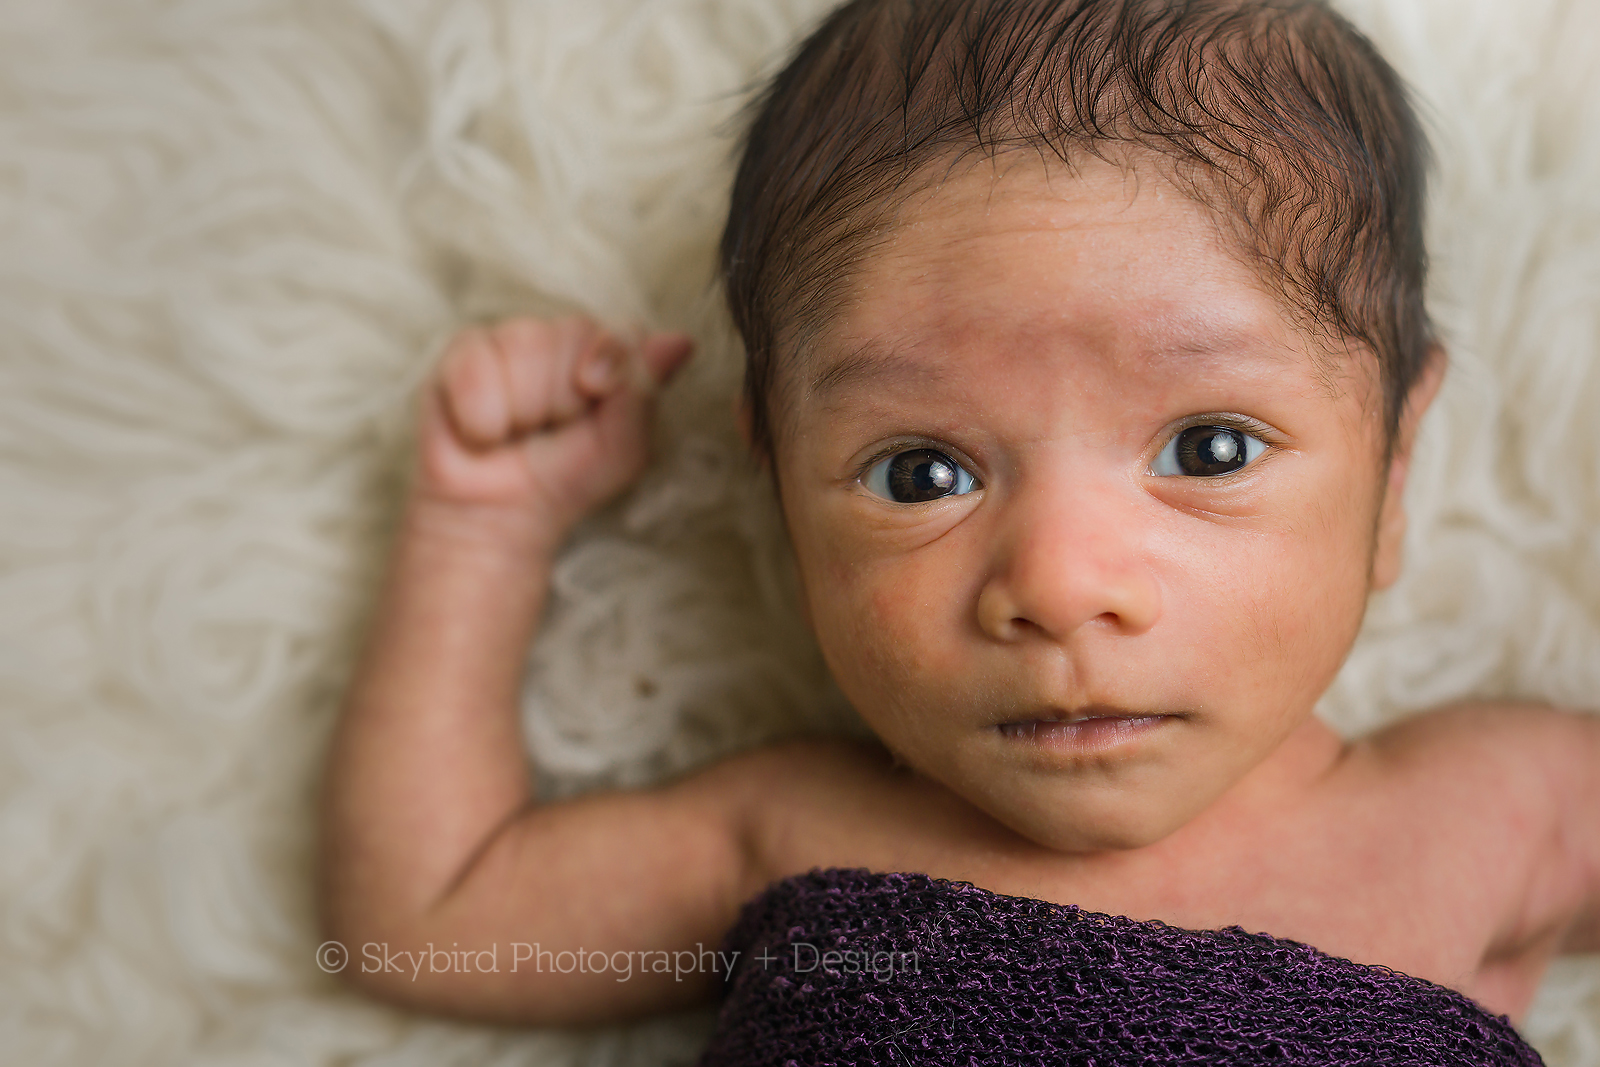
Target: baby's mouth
{"x": 1093, "y": 727}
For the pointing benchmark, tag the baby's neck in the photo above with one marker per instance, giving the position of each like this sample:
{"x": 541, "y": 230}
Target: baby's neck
{"x": 1311, "y": 753}
{"x": 1286, "y": 783}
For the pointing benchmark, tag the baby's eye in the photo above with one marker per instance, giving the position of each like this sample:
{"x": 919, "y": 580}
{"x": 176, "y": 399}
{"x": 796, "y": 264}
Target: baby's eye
{"x": 917, "y": 476}
{"x": 1208, "y": 451}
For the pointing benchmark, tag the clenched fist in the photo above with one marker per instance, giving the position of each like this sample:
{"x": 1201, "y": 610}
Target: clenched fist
{"x": 552, "y": 417}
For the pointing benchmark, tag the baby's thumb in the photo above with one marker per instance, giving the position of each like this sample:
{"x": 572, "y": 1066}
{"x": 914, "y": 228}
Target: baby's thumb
{"x": 664, "y": 353}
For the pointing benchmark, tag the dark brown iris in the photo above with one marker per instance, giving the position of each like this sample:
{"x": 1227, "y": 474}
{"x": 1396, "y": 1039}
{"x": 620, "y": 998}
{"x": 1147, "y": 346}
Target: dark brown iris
{"x": 1207, "y": 451}
{"x": 919, "y": 475}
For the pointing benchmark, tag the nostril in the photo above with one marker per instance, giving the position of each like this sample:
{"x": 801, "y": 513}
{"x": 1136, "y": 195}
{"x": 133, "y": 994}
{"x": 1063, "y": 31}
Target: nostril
{"x": 1023, "y": 607}
{"x": 1022, "y": 625}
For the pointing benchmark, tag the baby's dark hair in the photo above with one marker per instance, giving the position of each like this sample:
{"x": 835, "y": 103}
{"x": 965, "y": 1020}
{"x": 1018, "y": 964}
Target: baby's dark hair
{"x": 1277, "y": 114}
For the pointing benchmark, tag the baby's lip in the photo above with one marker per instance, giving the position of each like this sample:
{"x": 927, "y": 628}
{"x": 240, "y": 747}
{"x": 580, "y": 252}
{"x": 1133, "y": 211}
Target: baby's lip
{"x": 1096, "y": 726}
{"x": 1090, "y": 711}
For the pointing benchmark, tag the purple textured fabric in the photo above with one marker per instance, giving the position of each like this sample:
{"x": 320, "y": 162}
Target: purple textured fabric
{"x": 929, "y": 971}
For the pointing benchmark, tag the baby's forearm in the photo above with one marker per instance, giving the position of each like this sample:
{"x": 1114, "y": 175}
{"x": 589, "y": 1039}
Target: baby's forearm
{"x": 427, "y": 763}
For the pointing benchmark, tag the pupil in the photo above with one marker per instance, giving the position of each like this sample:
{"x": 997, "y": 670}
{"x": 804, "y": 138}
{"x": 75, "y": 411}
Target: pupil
{"x": 1207, "y": 451}
{"x": 921, "y": 474}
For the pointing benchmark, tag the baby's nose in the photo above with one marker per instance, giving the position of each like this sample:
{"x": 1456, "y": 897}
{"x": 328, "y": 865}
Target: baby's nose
{"x": 1067, "y": 558}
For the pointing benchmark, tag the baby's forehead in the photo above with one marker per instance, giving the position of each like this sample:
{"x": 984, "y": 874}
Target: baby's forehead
{"x": 1111, "y": 258}
{"x": 912, "y": 374}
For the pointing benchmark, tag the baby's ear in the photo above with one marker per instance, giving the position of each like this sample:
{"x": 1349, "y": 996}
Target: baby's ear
{"x": 1392, "y": 515}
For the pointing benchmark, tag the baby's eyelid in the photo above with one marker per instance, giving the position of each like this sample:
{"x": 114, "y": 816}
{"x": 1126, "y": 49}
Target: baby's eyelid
{"x": 1227, "y": 420}
{"x": 913, "y": 444}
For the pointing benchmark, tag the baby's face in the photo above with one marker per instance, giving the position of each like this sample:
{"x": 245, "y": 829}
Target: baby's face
{"x": 1064, "y": 457}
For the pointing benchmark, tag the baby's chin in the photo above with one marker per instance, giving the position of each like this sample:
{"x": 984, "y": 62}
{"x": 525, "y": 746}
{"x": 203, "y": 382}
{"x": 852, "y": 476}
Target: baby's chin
{"x": 1080, "y": 817}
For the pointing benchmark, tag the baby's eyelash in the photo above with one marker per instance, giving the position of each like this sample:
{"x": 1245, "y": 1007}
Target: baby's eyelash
{"x": 1228, "y": 421}
{"x": 894, "y": 449}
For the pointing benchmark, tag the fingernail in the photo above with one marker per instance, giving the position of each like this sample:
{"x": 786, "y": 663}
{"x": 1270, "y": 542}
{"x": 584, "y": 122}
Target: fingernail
{"x": 600, "y": 370}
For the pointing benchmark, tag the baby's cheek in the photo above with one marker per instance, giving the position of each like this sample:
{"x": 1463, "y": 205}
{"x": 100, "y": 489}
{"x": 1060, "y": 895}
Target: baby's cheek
{"x": 878, "y": 648}
{"x": 891, "y": 633}
{"x": 1306, "y": 617}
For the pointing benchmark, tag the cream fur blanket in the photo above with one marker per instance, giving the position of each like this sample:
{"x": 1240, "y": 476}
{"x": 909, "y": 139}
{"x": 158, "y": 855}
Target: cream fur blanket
{"x": 235, "y": 233}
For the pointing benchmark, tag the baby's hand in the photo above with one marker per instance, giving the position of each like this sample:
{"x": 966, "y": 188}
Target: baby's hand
{"x": 551, "y": 418}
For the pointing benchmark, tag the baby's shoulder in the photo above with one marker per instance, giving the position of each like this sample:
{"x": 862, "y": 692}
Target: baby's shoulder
{"x": 1516, "y": 770}
{"x": 849, "y": 802}
{"x": 1506, "y": 795}
{"x": 1538, "y": 749}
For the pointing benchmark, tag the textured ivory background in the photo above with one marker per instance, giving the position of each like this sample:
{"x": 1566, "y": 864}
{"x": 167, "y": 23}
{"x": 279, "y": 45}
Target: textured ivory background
{"x": 233, "y": 234}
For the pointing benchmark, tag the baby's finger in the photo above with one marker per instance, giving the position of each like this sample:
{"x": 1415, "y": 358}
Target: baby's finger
{"x": 538, "y": 362}
{"x": 664, "y": 353}
{"x": 473, "y": 390}
{"x": 638, "y": 364}
{"x": 604, "y": 451}
{"x": 608, "y": 363}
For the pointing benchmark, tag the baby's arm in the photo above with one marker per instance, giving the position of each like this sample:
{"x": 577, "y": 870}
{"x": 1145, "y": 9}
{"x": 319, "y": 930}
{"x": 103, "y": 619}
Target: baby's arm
{"x": 1539, "y": 769}
{"x": 429, "y": 830}
{"x": 1581, "y": 828}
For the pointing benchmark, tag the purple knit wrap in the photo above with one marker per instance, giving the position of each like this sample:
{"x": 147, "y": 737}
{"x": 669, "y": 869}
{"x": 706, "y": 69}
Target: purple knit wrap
{"x": 927, "y": 971}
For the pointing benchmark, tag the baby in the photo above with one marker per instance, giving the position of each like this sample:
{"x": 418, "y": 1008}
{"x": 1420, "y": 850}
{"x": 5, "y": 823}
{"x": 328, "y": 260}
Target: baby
{"x": 1086, "y": 350}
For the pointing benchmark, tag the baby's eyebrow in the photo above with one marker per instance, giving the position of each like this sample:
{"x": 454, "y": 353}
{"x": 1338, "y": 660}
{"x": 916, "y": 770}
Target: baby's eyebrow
{"x": 867, "y": 363}
{"x": 1216, "y": 345}
{"x": 1207, "y": 342}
